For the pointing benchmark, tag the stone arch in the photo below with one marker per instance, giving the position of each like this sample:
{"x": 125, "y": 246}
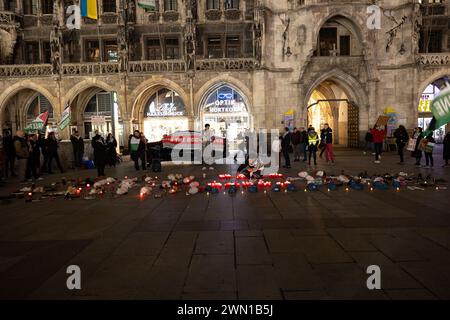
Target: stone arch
{"x": 210, "y": 85}
{"x": 12, "y": 90}
{"x": 86, "y": 84}
{"x": 140, "y": 95}
{"x": 425, "y": 83}
{"x": 356, "y": 22}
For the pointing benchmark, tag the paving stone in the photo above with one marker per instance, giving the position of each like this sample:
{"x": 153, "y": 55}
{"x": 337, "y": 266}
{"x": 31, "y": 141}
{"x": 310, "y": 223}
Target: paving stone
{"x": 257, "y": 283}
{"x": 215, "y": 242}
{"x": 252, "y": 250}
{"x": 142, "y": 243}
{"x": 321, "y": 249}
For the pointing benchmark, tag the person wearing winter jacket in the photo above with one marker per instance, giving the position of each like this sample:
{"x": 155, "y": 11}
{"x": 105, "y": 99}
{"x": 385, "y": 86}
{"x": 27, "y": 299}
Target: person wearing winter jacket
{"x": 326, "y": 136}
{"x": 401, "y": 139}
{"x": 22, "y": 151}
{"x": 100, "y": 157}
{"x": 379, "y": 134}
{"x": 417, "y": 153}
{"x": 429, "y": 151}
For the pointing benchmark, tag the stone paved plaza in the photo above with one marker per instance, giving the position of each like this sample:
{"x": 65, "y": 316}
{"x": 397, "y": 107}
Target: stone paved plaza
{"x": 248, "y": 246}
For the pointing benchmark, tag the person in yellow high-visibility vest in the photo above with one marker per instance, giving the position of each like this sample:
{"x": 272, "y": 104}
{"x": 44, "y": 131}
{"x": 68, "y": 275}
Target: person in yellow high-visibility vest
{"x": 313, "y": 143}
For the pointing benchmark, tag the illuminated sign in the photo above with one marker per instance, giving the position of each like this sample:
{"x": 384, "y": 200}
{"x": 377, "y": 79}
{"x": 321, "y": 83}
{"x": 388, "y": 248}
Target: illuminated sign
{"x": 164, "y": 110}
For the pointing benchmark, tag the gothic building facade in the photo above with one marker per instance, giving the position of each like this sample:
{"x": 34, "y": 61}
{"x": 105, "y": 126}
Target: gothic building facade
{"x": 236, "y": 64}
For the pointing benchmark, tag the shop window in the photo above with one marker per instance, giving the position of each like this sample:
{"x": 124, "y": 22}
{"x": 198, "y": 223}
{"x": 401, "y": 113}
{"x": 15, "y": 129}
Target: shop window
{"x": 109, "y": 6}
{"x": 154, "y": 49}
{"x": 430, "y": 41}
{"x": 47, "y": 6}
{"x": 46, "y": 52}
{"x": 231, "y": 4}
{"x": 92, "y": 51}
{"x": 110, "y": 51}
{"x": 39, "y": 105}
{"x": 215, "y": 48}
{"x": 213, "y": 5}
{"x": 30, "y": 7}
{"x": 165, "y": 103}
{"x": 233, "y": 47}
{"x": 344, "y": 45}
{"x": 170, "y": 5}
{"x": 32, "y": 52}
{"x": 172, "y": 49}
{"x": 327, "y": 41}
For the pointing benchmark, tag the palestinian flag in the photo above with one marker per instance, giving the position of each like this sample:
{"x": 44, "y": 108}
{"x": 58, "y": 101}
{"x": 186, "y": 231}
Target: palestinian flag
{"x": 147, "y": 5}
{"x": 39, "y": 123}
{"x": 441, "y": 110}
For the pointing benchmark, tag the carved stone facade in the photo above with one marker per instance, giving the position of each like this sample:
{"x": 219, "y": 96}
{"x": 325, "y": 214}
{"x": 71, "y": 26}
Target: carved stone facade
{"x": 283, "y": 58}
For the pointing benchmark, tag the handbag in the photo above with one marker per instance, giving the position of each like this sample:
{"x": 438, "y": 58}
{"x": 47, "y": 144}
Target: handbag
{"x": 429, "y": 147}
{"x": 411, "y": 144}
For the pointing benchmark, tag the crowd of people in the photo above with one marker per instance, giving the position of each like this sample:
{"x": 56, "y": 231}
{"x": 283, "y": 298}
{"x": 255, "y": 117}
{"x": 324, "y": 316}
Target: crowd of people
{"x": 30, "y": 156}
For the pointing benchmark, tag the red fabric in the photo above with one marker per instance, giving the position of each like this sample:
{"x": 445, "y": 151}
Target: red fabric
{"x": 329, "y": 152}
{"x": 378, "y": 135}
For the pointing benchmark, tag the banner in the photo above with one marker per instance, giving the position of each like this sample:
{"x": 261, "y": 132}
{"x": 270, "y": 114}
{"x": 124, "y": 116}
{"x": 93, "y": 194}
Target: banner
{"x": 441, "y": 109}
{"x": 39, "y": 123}
{"x": 89, "y": 9}
{"x": 65, "y": 119}
{"x": 147, "y": 5}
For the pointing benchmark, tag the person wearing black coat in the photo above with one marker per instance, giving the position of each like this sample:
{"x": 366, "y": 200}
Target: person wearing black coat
{"x": 52, "y": 151}
{"x": 447, "y": 149}
{"x": 111, "y": 146}
{"x": 286, "y": 140}
{"x": 78, "y": 149}
{"x": 9, "y": 153}
{"x": 401, "y": 139}
{"x": 100, "y": 156}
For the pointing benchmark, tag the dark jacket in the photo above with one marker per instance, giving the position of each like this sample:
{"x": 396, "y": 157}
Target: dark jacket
{"x": 111, "y": 146}
{"x": 304, "y": 137}
{"x": 286, "y": 140}
{"x": 369, "y": 137}
{"x": 51, "y": 145}
{"x": 77, "y": 143}
{"x": 447, "y": 146}
{"x": 296, "y": 137}
{"x": 401, "y": 137}
{"x": 8, "y": 146}
{"x": 326, "y": 135}
{"x": 99, "y": 146}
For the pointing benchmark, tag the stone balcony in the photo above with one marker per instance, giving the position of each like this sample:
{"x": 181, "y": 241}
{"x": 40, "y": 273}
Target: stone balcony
{"x": 435, "y": 59}
{"x": 7, "y": 18}
{"x": 135, "y": 67}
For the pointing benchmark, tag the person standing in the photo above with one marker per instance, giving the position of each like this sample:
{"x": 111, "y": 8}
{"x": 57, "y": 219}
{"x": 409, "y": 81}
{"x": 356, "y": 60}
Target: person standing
{"x": 417, "y": 153}
{"x": 22, "y": 150}
{"x": 31, "y": 173}
{"x": 137, "y": 150}
{"x": 369, "y": 142}
{"x": 111, "y": 146}
{"x": 78, "y": 148}
{"x": 42, "y": 144}
{"x": 296, "y": 136}
{"x": 378, "y": 133}
{"x": 447, "y": 149}
{"x": 313, "y": 145}
{"x": 100, "y": 157}
{"x": 52, "y": 146}
{"x": 9, "y": 153}
{"x": 286, "y": 140}
{"x": 207, "y": 140}
{"x": 326, "y": 135}
{"x": 303, "y": 143}
{"x": 428, "y": 150}
{"x": 401, "y": 139}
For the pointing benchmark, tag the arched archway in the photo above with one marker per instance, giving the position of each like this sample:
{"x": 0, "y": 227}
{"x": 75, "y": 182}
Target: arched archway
{"x": 15, "y": 102}
{"x": 429, "y": 90}
{"x": 338, "y": 99}
{"x": 227, "y": 110}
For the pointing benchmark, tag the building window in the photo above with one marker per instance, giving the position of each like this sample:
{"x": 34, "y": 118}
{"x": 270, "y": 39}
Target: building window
{"x": 153, "y": 49}
{"x": 172, "y": 49}
{"x": 47, "y": 6}
{"x": 39, "y": 105}
{"x": 109, "y": 6}
{"x": 231, "y": 4}
{"x": 430, "y": 41}
{"x": 92, "y": 51}
{"x": 110, "y": 51}
{"x": 30, "y": 7}
{"x": 327, "y": 41}
{"x": 344, "y": 45}
{"x": 9, "y": 5}
{"x": 215, "y": 47}
{"x": 213, "y": 5}
{"x": 233, "y": 47}
{"x": 46, "y": 52}
{"x": 170, "y": 5}
{"x": 32, "y": 52}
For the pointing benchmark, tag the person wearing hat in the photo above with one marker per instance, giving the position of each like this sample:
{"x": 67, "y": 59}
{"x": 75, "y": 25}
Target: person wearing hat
{"x": 313, "y": 144}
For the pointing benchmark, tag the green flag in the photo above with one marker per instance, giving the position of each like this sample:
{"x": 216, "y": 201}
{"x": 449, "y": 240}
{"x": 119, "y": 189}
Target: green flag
{"x": 65, "y": 119}
{"x": 441, "y": 110}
